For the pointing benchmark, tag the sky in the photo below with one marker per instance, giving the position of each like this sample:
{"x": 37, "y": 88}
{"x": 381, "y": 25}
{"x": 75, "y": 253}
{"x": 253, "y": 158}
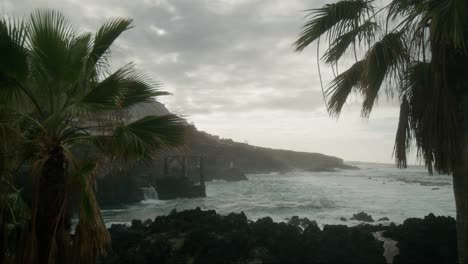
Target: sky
{"x": 233, "y": 72}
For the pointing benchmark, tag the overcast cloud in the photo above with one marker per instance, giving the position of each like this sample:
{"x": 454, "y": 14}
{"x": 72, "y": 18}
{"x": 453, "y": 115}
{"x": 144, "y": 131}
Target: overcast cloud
{"x": 232, "y": 71}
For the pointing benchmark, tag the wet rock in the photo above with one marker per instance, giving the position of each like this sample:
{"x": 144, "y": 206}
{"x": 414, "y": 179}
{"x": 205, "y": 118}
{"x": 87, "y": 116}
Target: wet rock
{"x": 147, "y": 222}
{"x": 361, "y": 246}
{"x": 384, "y": 219}
{"x": 198, "y": 236}
{"x": 312, "y": 229}
{"x": 302, "y": 222}
{"x": 294, "y": 221}
{"x": 137, "y": 224}
{"x": 362, "y": 217}
{"x": 124, "y": 237}
{"x": 343, "y": 219}
{"x": 430, "y": 240}
{"x": 231, "y": 174}
{"x": 306, "y": 222}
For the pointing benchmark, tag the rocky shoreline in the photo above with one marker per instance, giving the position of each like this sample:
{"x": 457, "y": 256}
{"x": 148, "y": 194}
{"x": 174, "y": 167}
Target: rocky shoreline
{"x": 197, "y": 236}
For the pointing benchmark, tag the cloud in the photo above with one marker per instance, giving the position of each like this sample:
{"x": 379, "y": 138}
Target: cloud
{"x": 230, "y": 59}
{"x": 208, "y": 47}
{"x": 158, "y": 31}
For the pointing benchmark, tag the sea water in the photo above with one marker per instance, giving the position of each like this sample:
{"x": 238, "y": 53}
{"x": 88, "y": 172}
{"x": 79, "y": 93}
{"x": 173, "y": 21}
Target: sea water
{"x": 326, "y": 197}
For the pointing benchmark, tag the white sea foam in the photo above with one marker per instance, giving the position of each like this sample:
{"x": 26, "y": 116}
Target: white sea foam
{"x": 379, "y": 190}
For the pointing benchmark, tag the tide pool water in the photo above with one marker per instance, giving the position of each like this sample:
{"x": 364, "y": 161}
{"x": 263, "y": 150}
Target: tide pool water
{"x": 326, "y": 197}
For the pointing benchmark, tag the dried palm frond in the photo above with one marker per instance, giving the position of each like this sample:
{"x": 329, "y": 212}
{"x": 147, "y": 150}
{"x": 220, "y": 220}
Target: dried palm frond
{"x": 91, "y": 237}
{"x": 433, "y": 117}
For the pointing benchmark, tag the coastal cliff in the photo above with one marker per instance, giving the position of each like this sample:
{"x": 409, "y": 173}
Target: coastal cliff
{"x": 224, "y": 159}
{"x": 226, "y": 153}
{"x": 253, "y": 159}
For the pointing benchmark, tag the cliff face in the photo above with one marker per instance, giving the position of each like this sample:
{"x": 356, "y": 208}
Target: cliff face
{"x": 225, "y": 153}
{"x": 253, "y": 159}
{"x": 304, "y": 160}
{"x": 224, "y": 159}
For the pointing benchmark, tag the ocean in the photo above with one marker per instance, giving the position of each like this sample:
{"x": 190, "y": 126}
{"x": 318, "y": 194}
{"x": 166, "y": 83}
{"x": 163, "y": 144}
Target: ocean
{"x": 326, "y": 197}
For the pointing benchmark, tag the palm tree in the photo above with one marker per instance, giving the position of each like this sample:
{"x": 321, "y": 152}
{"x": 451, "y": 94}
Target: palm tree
{"x": 418, "y": 50}
{"x": 59, "y": 95}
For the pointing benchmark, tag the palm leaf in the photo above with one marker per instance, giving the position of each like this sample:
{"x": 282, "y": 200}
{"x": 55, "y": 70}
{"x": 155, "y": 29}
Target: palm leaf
{"x": 80, "y": 48}
{"x": 384, "y": 59}
{"x": 137, "y": 89}
{"x": 342, "y": 86}
{"x": 50, "y": 36}
{"x": 406, "y": 8}
{"x": 91, "y": 236}
{"x": 334, "y": 19}
{"x": 122, "y": 89}
{"x": 146, "y": 137}
{"x": 104, "y": 38}
{"x": 13, "y": 65}
{"x": 403, "y": 135}
{"x": 433, "y": 117}
{"x": 337, "y": 49}
{"x": 448, "y": 22}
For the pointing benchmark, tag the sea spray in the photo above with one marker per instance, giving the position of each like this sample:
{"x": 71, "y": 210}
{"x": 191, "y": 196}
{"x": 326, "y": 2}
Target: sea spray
{"x": 149, "y": 193}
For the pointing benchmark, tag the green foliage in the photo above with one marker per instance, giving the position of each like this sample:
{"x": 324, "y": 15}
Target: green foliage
{"x": 57, "y": 93}
{"x": 333, "y": 20}
{"x": 13, "y": 65}
{"x": 338, "y": 48}
{"x": 432, "y": 117}
{"x": 104, "y": 39}
{"x": 384, "y": 59}
{"x": 407, "y": 44}
{"x": 343, "y": 85}
{"x": 147, "y": 136}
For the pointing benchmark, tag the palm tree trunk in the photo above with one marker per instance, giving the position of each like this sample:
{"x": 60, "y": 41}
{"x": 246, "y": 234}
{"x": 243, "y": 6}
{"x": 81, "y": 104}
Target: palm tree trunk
{"x": 460, "y": 180}
{"x": 460, "y": 187}
{"x": 53, "y": 219}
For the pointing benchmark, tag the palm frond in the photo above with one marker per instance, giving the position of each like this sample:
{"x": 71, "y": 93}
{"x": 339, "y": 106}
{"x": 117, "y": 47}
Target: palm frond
{"x": 14, "y": 62}
{"x": 403, "y": 134}
{"x": 342, "y": 86}
{"x": 77, "y": 83}
{"x": 448, "y": 23}
{"x": 79, "y": 50}
{"x": 337, "y": 49}
{"x": 433, "y": 117}
{"x": 385, "y": 59}
{"x": 135, "y": 88}
{"x": 334, "y": 19}
{"x": 144, "y": 138}
{"x": 405, "y": 8}
{"x": 50, "y": 36}
{"x": 104, "y": 38}
{"x": 102, "y": 97}
{"x": 122, "y": 89}
{"x": 91, "y": 236}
